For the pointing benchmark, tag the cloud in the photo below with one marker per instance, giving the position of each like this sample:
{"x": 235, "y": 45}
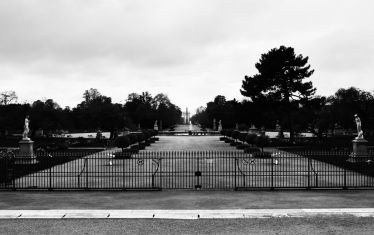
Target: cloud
{"x": 192, "y": 50}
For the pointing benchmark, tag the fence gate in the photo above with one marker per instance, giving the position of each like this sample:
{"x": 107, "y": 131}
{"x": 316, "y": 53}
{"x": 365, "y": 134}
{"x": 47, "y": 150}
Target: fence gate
{"x": 198, "y": 170}
{"x": 187, "y": 170}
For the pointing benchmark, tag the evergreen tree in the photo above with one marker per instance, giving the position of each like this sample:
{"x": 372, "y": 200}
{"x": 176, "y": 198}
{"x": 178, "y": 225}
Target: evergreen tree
{"x": 280, "y": 81}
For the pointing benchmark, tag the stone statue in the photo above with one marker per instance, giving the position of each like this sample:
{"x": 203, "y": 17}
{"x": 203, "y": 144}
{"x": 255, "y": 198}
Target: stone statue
{"x": 26, "y": 129}
{"x": 155, "y": 126}
{"x": 360, "y": 133}
{"x": 220, "y": 125}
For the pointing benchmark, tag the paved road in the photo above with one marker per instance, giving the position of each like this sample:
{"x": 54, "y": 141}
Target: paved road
{"x": 174, "y": 199}
{"x": 312, "y": 225}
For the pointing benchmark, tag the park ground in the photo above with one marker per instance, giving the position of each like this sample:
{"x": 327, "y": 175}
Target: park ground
{"x": 314, "y": 225}
{"x": 186, "y": 199}
{"x": 190, "y": 200}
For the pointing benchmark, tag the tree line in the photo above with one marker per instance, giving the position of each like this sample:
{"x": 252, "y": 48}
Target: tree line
{"x": 280, "y": 95}
{"x": 95, "y": 112}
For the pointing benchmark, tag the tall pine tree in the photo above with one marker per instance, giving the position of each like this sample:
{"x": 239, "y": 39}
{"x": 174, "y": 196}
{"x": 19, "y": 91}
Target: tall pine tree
{"x": 280, "y": 81}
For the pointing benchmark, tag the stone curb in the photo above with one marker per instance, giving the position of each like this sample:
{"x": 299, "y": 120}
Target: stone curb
{"x": 183, "y": 214}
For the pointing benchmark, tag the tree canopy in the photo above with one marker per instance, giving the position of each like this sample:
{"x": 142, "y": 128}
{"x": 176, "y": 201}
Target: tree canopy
{"x": 280, "y": 77}
{"x": 95, "y": 112}
{"x": 279, "y": 86}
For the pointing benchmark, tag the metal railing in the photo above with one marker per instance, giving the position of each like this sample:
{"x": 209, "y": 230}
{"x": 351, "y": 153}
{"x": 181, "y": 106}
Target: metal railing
{"x": 155, "y": 170}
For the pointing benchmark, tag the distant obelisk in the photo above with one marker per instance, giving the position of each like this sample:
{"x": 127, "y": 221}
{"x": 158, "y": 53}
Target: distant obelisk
{"x": 187, "y": 117}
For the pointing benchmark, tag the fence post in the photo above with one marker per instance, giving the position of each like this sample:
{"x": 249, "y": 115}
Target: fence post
{"x": 13, "y": 178}
{"x": 123, "y": 173}
{"x": 50, "y": 178}
{"x": 345, "y": 177}
{"x": 86, "y": 161}
{"x": 308, "y": 172}
{"x": 160, "y": 162}
{"x": 235, "y": 166}
{"x": 272, "y": 174}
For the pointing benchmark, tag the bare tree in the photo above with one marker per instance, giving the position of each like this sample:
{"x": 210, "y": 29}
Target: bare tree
{"x": 7, "y": 97}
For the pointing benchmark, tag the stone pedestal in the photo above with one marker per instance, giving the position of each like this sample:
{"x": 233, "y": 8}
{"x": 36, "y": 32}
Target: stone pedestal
{"x": 360, "y": 151}
{"x": 155, "y": 127}
{"x": 26, "y": 152}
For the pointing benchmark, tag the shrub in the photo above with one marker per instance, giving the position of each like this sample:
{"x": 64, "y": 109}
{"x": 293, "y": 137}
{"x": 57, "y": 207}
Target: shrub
{"x": 252, "y": 150}
{"x": 140, "y": 137}
{"x": 63, "y": 145}
{"x": 262, "y": 141}
{"x": 229, "y": 133}
{"x": 242, "y": 146}
{"x": 154, "y": 133}
{"x": 261, "y": 155}
{"x": 6, "y": 159}
{"x": 223, "y": 132}
{"x": 147, "y": 134}
{"x": 148, "y": 142}
{"x": 234, "y": 143}
{"x": 135, "y": 148}
{"x": 250, "y": 139}
{"x": 242, "y": 137}
{"x": 122, "y": 142}
{"x": 235, "y": 135}
{"x": 142, "y": 146}
{"x": 44, "y": 158}
{"x": 123, "y": 155}
{"x": 133, "y": 138}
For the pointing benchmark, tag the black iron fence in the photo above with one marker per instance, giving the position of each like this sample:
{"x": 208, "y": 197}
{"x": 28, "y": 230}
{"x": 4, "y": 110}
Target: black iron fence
{"x": 232, "y": 170}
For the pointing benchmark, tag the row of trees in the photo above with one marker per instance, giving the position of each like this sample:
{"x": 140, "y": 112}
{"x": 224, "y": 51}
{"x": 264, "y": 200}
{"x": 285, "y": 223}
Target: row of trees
{"x": 278, "y": 95}
{"x": 95, "y": 112}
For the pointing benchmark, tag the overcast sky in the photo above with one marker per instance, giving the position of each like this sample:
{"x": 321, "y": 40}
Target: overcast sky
{"x": 190, "y": 50}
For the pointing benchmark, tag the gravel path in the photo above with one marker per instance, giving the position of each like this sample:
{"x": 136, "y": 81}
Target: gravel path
{"x": 191, "y": 143}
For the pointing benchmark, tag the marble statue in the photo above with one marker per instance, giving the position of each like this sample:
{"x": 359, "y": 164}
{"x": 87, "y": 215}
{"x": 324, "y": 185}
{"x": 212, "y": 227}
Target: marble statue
{"x": 360, "y": 133}
{"x": 155, "y": 126}
{"x": 26, "y": 129}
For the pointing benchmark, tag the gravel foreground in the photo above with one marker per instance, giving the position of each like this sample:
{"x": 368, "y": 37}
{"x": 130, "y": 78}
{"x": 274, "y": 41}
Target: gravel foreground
{"x": 308, "y": 225}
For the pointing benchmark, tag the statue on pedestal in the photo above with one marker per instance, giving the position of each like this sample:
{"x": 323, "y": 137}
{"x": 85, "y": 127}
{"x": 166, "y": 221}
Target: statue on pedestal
{"x": 155, "y": 126}
{"x": 26, "y": 129}
{"x": 360, "y": 145}
{"x": 26, "y": 155}
{"x": 360, "y": 133}
{"x": 220, "y": 125}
